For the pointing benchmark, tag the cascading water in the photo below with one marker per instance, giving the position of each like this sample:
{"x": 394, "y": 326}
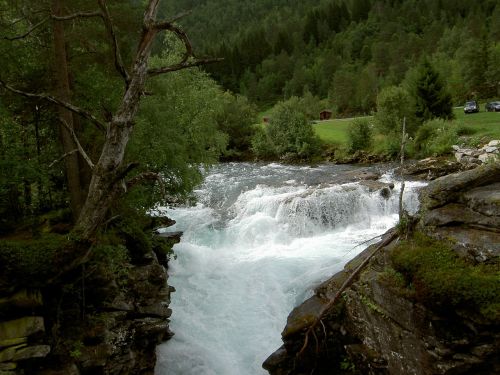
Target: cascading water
{"x": 256, "y": 243}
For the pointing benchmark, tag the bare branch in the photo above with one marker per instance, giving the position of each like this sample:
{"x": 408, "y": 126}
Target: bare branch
{"x": 28, "y": 32}
{"x": 86, "y": 115}
{"x": 76, "y": 15}
{"x": 150, "y": 13}
{"x": 108, "y": 22}
{"x": 184, "y": 63}
{"x": 124, "y": 171}
{"x": 145, "y": 176}
{"x": 62, "y": 157}
{"x": 180, "y": 34}
{"x": 180, "y": 66}
{"x": 78, "y": 144}
{"x": 24, "y": 17}
{"x": 180, "y": 16}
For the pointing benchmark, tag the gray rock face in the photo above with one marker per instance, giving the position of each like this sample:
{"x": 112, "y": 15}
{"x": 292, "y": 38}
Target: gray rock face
{"x": 378, "y": 329}
{"x": 133, "y": 320}
{"x": 20, "y": 338}
{"x": 465, "y": 208}
{"x": 113, "y": 328}
{"x": 432, "y": 168}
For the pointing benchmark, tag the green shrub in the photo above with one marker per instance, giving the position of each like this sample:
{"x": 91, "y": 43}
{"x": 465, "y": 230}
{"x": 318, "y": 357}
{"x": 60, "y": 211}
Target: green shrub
{"x": 393, "y": 106}
{"x": 463, "y": 130}
{"x": 442, "y": 280}
{"x": 360, "y": 135}
{"x": 435, "y": 138}
{"x": 289, "y": 134}
{"x": 137, "y": 241}
{"x": 262, "y": 145}
{"x": 112, "y": 257}
{"x": 29, "y": 262}
{"x": 390, "y": 145}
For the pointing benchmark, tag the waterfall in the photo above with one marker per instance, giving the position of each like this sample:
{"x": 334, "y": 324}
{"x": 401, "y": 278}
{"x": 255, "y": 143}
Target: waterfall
{"x": 256, "y": 243}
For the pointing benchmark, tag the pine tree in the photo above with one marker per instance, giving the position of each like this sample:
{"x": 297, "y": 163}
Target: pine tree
{"x": 431, "y": 97}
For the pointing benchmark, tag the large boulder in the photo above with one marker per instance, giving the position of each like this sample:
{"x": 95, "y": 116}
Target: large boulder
{"x": 465, "y": 208}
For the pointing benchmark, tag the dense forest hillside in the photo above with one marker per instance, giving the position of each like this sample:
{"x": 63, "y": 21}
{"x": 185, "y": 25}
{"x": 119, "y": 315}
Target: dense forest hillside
{"x": 347, "y": 50}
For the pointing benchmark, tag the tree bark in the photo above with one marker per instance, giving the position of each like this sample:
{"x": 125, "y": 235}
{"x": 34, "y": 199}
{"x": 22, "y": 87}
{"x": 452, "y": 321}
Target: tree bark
{"x": 61, "y": 72}
{"x": 107, "y": 180}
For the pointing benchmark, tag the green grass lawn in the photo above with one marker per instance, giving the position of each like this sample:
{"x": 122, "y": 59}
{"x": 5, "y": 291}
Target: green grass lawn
{"x": 333, "y": 131}
{"x": 483, "y": 124}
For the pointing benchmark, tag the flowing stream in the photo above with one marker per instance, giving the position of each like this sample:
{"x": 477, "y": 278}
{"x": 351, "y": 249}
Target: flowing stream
{"x": 254, "y": 246}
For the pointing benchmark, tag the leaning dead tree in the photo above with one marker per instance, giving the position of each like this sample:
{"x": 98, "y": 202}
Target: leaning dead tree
{"x": 109, "y": 173}
{"x": 402, "y": 212}
{"x": 391, "y": 236}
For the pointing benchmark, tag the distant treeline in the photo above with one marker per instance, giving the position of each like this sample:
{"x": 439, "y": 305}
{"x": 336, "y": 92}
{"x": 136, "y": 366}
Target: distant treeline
{"x": 347, "y": 50}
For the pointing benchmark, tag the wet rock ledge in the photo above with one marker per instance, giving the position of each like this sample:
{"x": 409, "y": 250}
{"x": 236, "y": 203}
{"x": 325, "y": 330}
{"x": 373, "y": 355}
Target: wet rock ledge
{"x": 427, "y": 303}
{"x": 105, "y": 318}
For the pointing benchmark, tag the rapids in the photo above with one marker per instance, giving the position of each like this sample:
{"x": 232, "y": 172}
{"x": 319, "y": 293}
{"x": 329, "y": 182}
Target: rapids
{"x": 256, "y": 243}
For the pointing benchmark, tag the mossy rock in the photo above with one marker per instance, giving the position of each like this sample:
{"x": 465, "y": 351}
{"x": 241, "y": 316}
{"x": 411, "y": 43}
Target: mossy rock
{"x": 443, "y": 280}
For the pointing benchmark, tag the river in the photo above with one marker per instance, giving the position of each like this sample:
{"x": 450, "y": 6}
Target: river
{"x": 255, "y": 244}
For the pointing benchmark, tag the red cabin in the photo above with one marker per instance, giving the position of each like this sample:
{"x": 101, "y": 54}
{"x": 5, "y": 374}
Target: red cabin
{"x": 325, "y": 114}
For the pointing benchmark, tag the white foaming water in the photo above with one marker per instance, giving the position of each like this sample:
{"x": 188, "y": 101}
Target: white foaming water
{"x": 256, "y": 244}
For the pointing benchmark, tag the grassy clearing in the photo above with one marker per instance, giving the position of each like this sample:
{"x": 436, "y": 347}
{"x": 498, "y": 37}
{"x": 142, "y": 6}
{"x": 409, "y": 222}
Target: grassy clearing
{"x": 482, "y": 124}
{"x": 479, "y": 125}
{"x": 333, "y": 131}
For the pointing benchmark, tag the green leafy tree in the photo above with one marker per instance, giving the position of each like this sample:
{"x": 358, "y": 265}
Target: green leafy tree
{"x": 237, "y": 118}
{"x": 394, "y": 106}
{"x": 289, "y": 134}
{"x": 182, "y": 115}
{"x": 114, "y": 173}
{"x": 360, "y": 135}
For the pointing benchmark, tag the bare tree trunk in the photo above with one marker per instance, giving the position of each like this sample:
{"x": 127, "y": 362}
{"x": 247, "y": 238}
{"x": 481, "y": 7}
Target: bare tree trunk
{"x": 109, "y": 172}
{"x": 402, "y": 213}
{"x": 62, "y": 78}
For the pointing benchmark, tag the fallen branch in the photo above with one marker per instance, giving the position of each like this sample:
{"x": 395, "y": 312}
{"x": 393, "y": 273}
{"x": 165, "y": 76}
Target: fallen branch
{"x": 363, "y": 243}
{"x": 392, "y": 235}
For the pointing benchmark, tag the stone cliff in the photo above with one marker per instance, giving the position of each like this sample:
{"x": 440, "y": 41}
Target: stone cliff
{"x": 426, "y": 303}
{"x": 105, "y": 318}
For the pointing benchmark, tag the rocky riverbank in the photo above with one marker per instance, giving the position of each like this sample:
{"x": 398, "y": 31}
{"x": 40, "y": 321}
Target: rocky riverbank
{"x": 425, "y": 304}
{"x": 107, "y": 317}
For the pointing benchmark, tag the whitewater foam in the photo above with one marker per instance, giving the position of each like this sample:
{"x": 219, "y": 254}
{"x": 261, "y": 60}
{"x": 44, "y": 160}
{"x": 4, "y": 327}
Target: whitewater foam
{"x": 260, "y": 238}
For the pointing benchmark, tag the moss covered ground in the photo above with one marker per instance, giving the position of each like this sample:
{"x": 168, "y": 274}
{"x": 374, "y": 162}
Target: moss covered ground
{"x": 439, "y": 278}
